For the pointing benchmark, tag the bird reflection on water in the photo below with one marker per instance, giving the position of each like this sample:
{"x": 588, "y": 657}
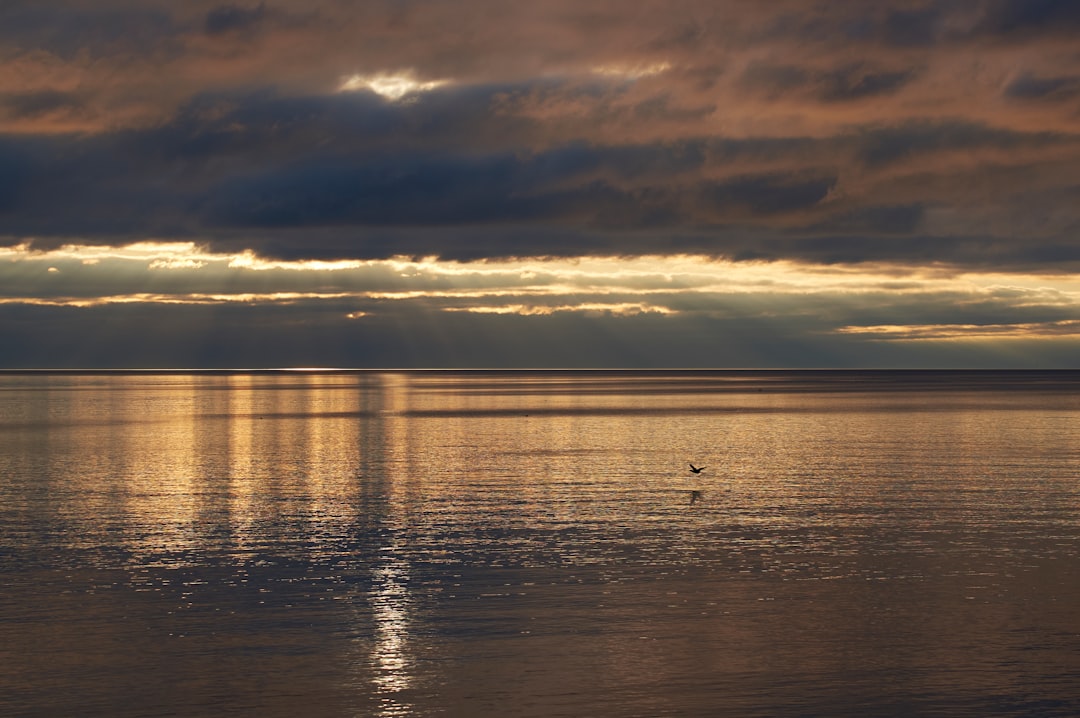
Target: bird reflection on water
{"x": 695, "y": 494}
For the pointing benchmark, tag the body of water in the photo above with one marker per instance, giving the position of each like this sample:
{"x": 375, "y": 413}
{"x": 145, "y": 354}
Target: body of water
{"x": 524, "y": 544}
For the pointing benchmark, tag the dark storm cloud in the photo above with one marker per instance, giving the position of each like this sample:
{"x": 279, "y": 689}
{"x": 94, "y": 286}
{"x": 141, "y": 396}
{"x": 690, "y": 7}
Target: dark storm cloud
{"x": 856, "y": 82}
{"x": 876, "y": 221}
{"x": 28, "y": 105}
{"x": 1052, "y": 89}
{"x": 883, "y": 146}
{"x": 409, "y": 190}
{"x": 351, "y": 176}
{"x": 71, "y": 186}
{"x": 775, "y": 80}
{"x": 984, "y": 253}
{"x": 16, "y": 173}
{"x": 923, "y": 23}
{"x": 917, "y": 27}
{"x": 263, "y": 125}
{"x": 233, "y": 18}
{"x": 67, "y": 29}
{"x": 561, "y": 185}
{"x": 831, "y": 132}
{"x": 770, "y": 194}
{"x": 846, "y": 83}
{"x": 567, "y": 201}
{"x": 377, "y": 172}
{"x": 1009, "y": 18}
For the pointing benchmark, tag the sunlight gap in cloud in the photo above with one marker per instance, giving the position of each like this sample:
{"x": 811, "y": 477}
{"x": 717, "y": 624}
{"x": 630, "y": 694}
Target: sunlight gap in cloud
{"x": 938, "y": 332}
{"x": 631, "y": 71}
{"x": 249, "y": 260}
{"x": 90, "y": 254}
{"x": 676, "y": 273}
{"x": 189, "y": 273}
{"x": 388, "y": 85}
{"x": 617, "y": 309}
{"x": 192, "y": 298}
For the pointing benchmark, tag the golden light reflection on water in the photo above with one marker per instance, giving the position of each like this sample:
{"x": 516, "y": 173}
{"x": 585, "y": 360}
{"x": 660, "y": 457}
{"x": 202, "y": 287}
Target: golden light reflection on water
{"x": 391, "y": 654}
{"x": 400, "y": 543}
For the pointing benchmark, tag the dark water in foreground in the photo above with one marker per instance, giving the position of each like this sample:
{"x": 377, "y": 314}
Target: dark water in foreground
{"x": 490, "y": 544}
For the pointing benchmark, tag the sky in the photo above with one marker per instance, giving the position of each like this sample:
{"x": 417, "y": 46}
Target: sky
{"x": 553, "y": 184}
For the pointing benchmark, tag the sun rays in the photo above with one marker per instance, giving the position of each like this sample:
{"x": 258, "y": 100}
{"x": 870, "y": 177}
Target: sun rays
{"x": 853, "y": 302}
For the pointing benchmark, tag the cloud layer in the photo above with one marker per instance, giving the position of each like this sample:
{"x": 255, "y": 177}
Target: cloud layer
{"x": 823, "y": 133}
{"x": 900, "y": 138}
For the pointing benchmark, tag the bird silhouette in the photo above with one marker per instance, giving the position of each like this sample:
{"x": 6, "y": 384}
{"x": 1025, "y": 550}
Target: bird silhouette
{"x": 696, "y": 469}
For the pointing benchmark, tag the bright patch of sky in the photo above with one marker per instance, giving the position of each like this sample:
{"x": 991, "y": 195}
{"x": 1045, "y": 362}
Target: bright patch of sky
{"x": 184, "y": 273}
{"x": 632, "y": 71}
{"x": 388, "y": 85}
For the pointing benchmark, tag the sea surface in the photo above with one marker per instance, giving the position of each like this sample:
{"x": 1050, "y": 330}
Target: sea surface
{"x": 524, "y": 544}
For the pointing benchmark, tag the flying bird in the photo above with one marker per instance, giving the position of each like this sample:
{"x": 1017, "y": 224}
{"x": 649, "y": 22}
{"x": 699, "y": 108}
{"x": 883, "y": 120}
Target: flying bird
{"x": 696, "y": 469}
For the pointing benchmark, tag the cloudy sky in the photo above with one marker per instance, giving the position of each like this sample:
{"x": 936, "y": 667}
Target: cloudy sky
{"x": 559, "y": 183}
